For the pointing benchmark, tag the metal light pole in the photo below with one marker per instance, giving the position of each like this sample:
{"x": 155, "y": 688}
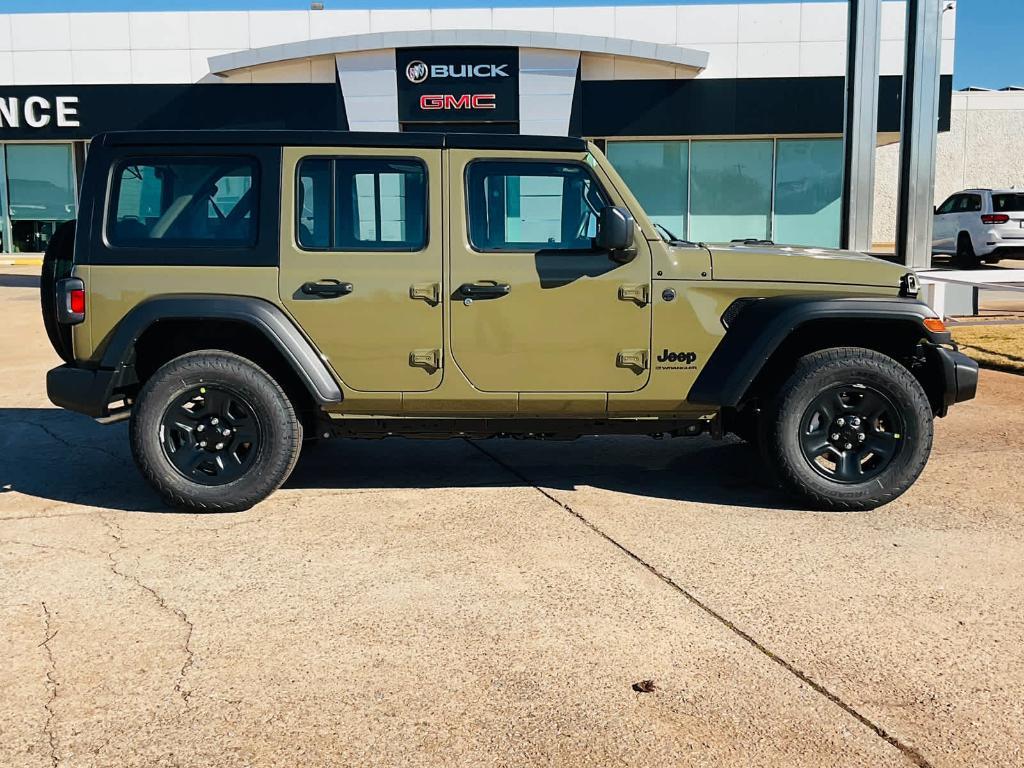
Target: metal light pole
{"x": 860, "y": 128}
{"x": 919, "y": 133}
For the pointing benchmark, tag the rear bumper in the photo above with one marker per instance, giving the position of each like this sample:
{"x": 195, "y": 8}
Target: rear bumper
{"x": 959, "y": 376}
{"x": 1005, "y": 252}
{"x": 80, "y": 389}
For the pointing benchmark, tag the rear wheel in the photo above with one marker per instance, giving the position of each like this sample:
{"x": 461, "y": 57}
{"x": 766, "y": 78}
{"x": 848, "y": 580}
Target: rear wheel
{"x": 965, "y": 255}
{"x": 851, "y": 429}
{"x": 211, "y": 431}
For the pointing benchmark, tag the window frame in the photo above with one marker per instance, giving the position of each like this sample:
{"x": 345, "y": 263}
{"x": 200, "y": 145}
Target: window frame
{"x": 155, "y": 244}
{"x": 609, "y": 199}
{"x": 331, "y": 248}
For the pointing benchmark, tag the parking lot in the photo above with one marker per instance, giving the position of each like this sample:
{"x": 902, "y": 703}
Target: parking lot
{"x": 494, "y": 603}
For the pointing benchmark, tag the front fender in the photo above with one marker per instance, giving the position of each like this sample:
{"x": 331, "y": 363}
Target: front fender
{"x": 763, "y": 325}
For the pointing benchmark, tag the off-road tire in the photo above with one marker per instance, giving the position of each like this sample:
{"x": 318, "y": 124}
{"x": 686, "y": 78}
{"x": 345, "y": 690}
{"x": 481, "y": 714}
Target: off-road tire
{"x": 965, "y": 255}
{"x": 277, "y": 450}
{"x": 815, "y": 373}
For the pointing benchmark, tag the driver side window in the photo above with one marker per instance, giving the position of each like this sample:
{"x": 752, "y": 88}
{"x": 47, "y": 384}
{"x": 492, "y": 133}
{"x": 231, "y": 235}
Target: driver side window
{"x": 532, "y": 206}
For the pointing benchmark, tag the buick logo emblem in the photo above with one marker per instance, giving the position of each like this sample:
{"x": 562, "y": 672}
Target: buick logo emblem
{"x": 416, "y": 72}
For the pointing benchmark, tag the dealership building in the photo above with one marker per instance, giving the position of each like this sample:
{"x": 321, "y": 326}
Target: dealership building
{"x": 726, "y": 120}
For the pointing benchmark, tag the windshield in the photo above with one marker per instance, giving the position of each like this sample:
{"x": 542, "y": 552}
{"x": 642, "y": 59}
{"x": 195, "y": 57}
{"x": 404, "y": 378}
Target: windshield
{"x": 1012, "y": 202}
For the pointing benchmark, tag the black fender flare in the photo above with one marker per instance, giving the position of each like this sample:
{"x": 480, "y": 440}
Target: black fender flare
{"x": 268, "y": 319}
{"x": 764, "y": 324}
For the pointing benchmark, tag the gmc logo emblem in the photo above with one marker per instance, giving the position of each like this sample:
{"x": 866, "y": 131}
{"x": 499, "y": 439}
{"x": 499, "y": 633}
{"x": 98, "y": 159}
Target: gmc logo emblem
{"x": 463, "y": 101}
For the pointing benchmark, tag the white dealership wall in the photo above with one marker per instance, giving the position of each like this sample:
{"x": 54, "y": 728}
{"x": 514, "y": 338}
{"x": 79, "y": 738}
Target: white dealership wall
{"x": 743, "y": 40}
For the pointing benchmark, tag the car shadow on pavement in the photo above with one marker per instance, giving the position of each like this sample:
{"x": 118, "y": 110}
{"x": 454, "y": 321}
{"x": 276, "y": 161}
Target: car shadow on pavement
{"x": 62, "y": 456}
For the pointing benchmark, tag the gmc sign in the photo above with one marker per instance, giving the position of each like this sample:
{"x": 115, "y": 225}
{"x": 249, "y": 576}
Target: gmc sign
{"x": 458, "y": 85}
{"x": 451, "y": 101}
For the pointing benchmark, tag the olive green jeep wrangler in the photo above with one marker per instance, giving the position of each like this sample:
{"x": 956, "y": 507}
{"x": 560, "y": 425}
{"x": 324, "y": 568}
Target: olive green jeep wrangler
{"x": 238, "y": 292}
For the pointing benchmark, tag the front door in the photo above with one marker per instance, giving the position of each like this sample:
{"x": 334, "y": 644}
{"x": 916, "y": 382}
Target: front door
{"x": 361, "y": 260}
{"x": 943, "y": 225}
{"x": 534, "y": 306}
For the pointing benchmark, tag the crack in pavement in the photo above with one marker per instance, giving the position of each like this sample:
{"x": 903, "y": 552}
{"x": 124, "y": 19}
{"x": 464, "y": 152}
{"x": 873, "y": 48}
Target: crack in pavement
{"x": 117, "y": 535}
{"x": 51, "y": 685}
{"x": 907, "y": 750}
{"x": 63, "y": 441}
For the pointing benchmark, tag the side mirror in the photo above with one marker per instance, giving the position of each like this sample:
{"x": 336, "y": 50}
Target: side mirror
{"x": 615, "y": 233}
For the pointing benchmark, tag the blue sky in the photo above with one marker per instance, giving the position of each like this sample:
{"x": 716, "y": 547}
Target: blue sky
{"x": 989, "y": 32}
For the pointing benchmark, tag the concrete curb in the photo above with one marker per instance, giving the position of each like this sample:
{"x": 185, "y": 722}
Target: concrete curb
{"x": 37, "y": 262}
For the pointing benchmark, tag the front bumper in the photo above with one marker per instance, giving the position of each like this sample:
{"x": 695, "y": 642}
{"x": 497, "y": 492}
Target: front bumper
{"x": 959, "y": 376}
{"x": 82, "y": 390}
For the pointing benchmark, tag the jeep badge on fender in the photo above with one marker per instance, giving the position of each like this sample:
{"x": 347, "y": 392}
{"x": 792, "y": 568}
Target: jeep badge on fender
{"x": 677, "y": 357}
{"x": 462, "y": 308}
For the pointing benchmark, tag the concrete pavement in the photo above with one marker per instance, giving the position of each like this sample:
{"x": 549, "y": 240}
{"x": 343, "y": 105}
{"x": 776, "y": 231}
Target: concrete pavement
{"x": 454, "y": 603}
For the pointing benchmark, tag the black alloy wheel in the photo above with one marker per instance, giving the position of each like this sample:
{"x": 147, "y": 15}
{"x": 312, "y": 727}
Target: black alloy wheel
{"x": 851, "y": 433}
{"x": 211, "y": 435}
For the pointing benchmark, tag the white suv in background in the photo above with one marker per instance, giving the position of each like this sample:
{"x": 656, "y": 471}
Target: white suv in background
{"x": 980, "y": 225}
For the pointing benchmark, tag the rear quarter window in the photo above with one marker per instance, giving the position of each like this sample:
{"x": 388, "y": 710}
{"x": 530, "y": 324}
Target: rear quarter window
{"x": 1008, "y": 203}
{"x": 183, "y": 202}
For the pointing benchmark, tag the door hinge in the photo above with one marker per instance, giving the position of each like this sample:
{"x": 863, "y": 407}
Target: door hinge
{"x": 430, "y": 359}
{"x": 635, "y": 292}
{"x": 632, "y": 358}
{"x": 429, "y": 292}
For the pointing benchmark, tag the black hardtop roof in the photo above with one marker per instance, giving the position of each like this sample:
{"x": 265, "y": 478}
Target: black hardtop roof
{"x": 291, "y": 138}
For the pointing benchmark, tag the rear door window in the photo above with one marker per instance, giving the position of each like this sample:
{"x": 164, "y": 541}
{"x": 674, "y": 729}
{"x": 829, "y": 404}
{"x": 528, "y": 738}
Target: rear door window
{"x": 183, "y": 202}
{"x": 355, "y": 204}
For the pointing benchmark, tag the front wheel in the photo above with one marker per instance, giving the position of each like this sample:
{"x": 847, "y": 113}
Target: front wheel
{"x": 851, "y": 429}
{"x": 212, "y": 431}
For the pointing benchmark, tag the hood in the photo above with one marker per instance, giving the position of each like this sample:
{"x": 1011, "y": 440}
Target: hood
{"x": 790, "y": 263}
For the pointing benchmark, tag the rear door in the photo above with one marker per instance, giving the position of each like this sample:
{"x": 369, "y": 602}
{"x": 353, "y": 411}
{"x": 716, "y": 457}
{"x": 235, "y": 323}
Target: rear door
{"x": 361, "y": 258}
{"x": 534, "y": 306}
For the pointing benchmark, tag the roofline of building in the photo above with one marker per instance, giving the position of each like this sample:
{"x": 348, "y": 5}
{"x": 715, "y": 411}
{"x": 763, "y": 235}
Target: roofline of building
{"x": 326, "y": 46}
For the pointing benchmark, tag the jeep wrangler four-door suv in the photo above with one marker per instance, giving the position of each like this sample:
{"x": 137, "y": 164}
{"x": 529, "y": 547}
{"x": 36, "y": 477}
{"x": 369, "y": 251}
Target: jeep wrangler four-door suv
{"x": 237, "y": 292}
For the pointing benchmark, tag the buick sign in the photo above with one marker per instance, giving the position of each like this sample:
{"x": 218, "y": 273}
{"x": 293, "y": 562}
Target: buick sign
{"x": 416, "y": 71}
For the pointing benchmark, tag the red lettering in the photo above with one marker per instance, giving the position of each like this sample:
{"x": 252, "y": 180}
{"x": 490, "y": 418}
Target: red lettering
{"x": 462, "y": 101}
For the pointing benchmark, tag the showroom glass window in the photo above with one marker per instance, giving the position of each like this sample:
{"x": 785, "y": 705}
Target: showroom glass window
{"x": 730, "y": 190}
{"x": 184, "y": 202}
{"x": 657, "y": 172}
{"x": 808, "y": 192}
{"x": 532, "y": 206}
{"x": 357, "y": 204}
{"x": 41, "y": 194}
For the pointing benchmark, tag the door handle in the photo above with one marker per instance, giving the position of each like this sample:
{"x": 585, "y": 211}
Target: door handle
{"x": 487, "y": 290}
{"x": 327, "y": 287}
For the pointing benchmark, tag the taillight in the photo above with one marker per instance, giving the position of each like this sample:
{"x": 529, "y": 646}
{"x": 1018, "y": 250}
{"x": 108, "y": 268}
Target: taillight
{"x": 994, "y": 218}
{"x": 76, "y": 301}
{"x": 70, "y": 301}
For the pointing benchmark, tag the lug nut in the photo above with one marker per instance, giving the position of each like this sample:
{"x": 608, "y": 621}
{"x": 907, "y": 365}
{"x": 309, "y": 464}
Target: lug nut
{"x": 218, "y": 446}
{"x": 215, "y": 421}
{"x": 225, "y": 432}
{"x": 861, "y": 437}
{"x": 849, "y": 446}
{"x": 200, "y": 428}
{"x": 835, "y": 435}
{"x": 840, "y": 421}
{"x": 202, "y": 443}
